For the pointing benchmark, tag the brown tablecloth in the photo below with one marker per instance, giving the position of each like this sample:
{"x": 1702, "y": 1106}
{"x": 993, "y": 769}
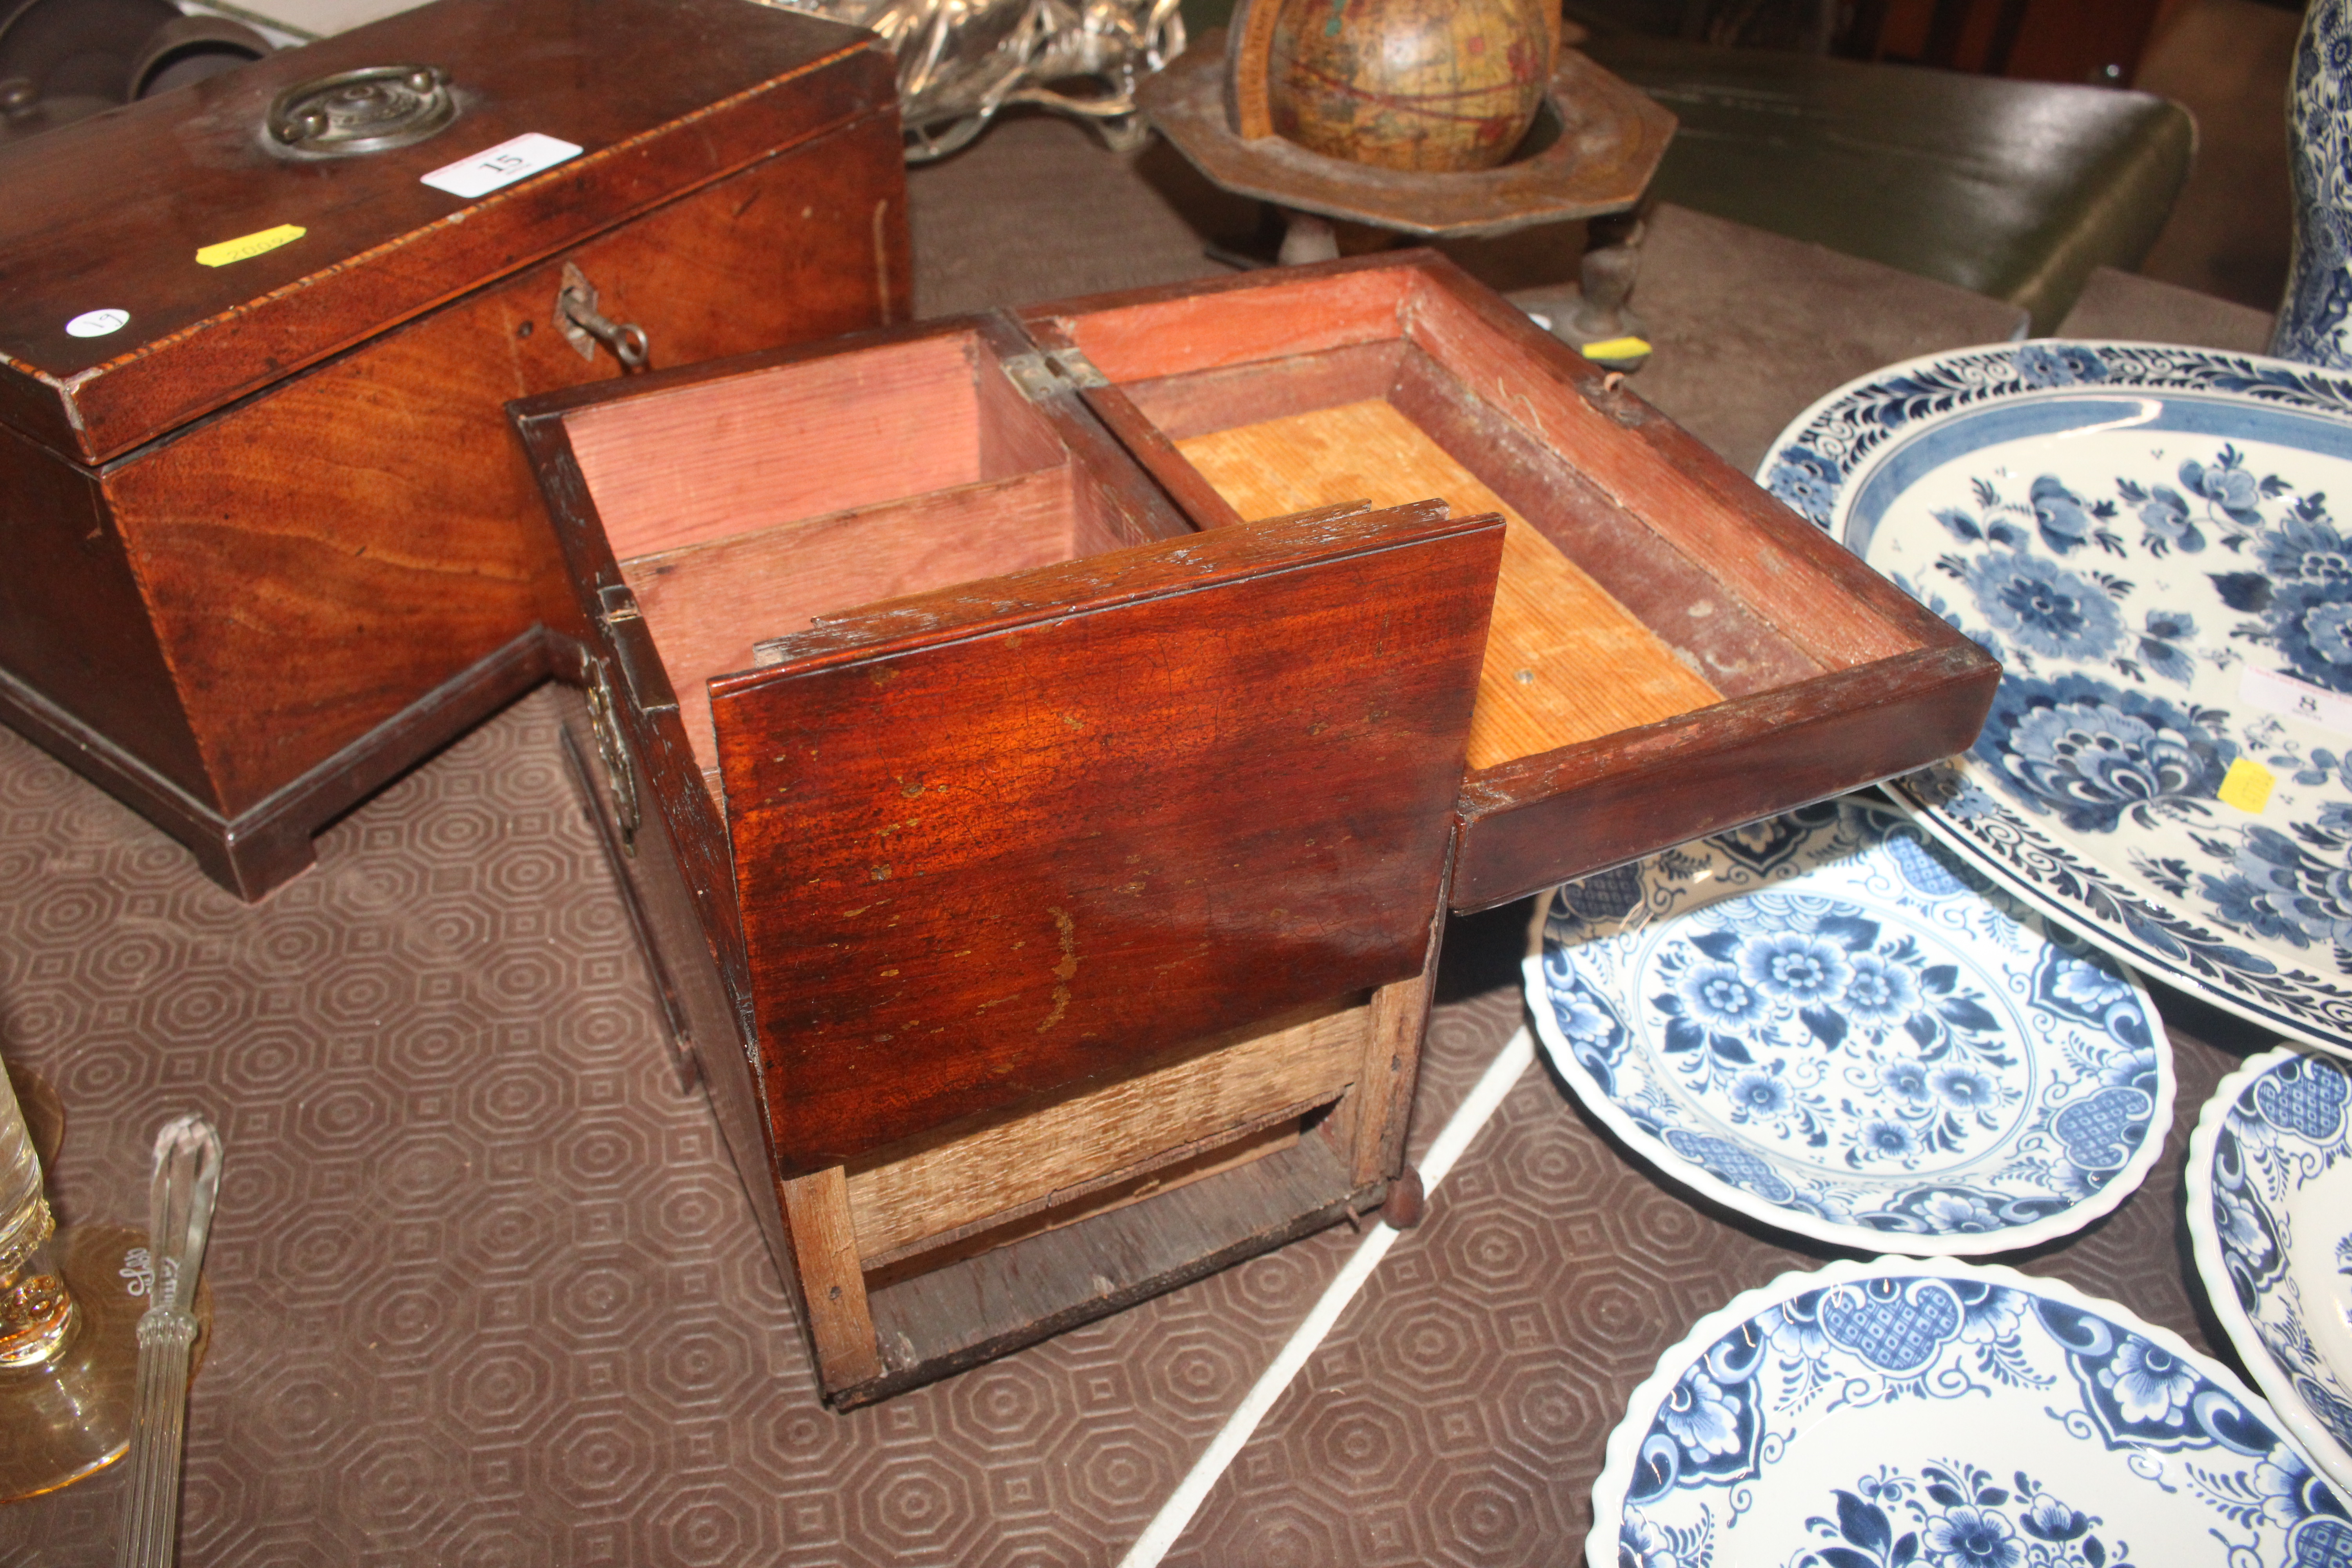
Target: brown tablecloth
{"x": 487, "y": 1291}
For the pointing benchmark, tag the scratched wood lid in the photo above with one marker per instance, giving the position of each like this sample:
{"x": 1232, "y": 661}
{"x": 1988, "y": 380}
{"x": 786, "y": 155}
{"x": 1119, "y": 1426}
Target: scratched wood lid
{"x": 166, "y": 257}
{"x": 1047, "y": 829}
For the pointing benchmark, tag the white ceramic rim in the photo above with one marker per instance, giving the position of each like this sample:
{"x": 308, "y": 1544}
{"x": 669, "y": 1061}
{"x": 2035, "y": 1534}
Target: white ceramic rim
{"x": 1625, "y": 1440}
{"x": 2116, "y": 944}
{"x": 1860, "y": 1237}
{"x": 2318, "y": 1444}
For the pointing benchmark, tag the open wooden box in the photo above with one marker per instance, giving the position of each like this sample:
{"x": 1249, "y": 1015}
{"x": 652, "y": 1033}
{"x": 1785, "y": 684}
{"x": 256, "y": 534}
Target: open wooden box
{"x": 1057, "y": 926}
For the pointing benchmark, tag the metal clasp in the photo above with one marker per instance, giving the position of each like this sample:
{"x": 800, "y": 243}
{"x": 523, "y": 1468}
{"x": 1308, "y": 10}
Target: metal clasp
{"x": 583, "y": 326}
{"x": 606, "y": 722}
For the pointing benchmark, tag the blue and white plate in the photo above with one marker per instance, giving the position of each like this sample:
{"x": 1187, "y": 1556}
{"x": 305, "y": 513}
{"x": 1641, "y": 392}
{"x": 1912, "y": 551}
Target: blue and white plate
{"x": 1827, "y": 1022}
{"x": 2148, "y": 539}
{"x": 2270, "y": 1217}
{"x": 1950, "y": 1415}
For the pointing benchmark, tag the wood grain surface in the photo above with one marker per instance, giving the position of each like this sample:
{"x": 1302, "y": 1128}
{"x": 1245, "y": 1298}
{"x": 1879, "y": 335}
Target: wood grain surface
{"x": 317, "y": 559}
{"x": 1759, "y": 604}
{"x": 1043, "y": 1157}
{"x": 661, "y": 97}
{"x": 993, "y": 842}
{"x": 1565, "y": 662}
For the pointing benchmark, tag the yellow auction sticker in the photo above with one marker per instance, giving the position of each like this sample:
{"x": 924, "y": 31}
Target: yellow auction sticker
{"x": 245, "y": 247}
{"x": 1617, "y": 349}
{"x": 2247, "y": 786}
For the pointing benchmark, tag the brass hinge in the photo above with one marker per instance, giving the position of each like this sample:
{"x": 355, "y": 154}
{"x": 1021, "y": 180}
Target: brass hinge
{"x": 1052, "y": 370}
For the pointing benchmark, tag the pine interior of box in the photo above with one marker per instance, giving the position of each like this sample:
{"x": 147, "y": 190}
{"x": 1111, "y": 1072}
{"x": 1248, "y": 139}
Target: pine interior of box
{"x": 1376, "y": 386}
{"x": 745, "y": 507}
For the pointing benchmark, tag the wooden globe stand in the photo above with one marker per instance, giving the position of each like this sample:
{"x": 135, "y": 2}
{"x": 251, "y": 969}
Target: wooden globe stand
{"x": 1595, "y": 146}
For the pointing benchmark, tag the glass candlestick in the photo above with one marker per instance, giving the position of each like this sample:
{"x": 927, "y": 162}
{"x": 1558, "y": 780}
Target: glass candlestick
{"x": 69, "y": 1303}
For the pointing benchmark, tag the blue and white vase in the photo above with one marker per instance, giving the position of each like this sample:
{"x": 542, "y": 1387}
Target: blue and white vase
{"x": 2315, "y": 321}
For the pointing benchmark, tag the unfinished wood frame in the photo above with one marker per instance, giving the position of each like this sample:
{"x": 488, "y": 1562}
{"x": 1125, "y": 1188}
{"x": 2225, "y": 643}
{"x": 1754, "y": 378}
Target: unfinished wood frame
{"x": 1326, "y": 1090}
{"x": 1672, "y": 652}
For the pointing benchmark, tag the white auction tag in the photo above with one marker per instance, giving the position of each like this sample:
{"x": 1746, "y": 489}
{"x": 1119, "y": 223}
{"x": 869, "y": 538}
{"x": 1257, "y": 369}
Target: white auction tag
{"x": 500, "y": 165}
{"x": 97, "y": 323}
{"x": 2285, "y": 695}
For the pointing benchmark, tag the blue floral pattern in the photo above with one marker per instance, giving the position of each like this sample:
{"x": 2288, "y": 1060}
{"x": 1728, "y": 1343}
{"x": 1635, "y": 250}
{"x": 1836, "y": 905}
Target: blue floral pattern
{"x": 2143, "y": 537}
{"x": 2312, "y": 319}
{"x": 1861, "y": 1041}
{"x": 2270, "y": 1189}
{"x": 1794, "y": 1428}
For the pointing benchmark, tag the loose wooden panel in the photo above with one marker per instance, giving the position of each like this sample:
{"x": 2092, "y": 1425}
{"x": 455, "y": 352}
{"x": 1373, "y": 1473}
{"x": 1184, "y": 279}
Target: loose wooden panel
{"x": 706, "y": 604}
{"x": 1044, "y": 1156}
{"x": 1564, "y": 661}
{"x": 1003, "y": 840}
{"x": 945, "y": 1319}
{"x": 317, "y": 560}
{"x": 1202, "y": 326}
{"x": 723, "y": 458}
{"x": 825, "y": 1248}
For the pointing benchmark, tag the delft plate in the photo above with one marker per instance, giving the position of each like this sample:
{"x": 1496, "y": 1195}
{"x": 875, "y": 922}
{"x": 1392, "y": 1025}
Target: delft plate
{"x": 1827, "y": 1022}
{"x": 2148, "y": 538}
{"x": 1950, "y": 1415}
{"x": 2270, "y": 1219}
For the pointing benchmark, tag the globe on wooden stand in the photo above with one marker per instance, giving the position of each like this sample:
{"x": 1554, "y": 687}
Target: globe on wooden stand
{"x": 1426, "y": 85}
{"x": 1422, "y": 118}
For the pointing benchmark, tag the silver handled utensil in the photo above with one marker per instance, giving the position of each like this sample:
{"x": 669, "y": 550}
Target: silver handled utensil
{"x": 180, "y": 1216}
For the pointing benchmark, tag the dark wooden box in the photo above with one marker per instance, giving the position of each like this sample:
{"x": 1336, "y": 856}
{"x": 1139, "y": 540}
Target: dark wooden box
{"x": 1057, "y": 926}
{"x": 269, "y": 540}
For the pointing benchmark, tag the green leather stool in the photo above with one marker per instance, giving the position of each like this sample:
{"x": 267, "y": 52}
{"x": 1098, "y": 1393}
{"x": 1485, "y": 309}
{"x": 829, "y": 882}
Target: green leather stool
{"x": 2014, "y": 189}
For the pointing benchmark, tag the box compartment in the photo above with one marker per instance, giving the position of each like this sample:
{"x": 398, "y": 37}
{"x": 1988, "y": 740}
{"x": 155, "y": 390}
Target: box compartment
{"x": 1673, "y": 652}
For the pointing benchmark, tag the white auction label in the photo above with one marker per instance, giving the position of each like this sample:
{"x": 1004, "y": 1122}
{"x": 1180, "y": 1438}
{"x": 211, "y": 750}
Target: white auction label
{"x": 97, "y": 323}
{"x": 2290, "y": 698}
{"x": 500, "y": 165}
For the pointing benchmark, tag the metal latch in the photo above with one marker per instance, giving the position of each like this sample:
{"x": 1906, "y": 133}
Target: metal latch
{"x": 583, "y": 326}
{"x": 1053, "y": 370}
{"x": 615, "y": 753}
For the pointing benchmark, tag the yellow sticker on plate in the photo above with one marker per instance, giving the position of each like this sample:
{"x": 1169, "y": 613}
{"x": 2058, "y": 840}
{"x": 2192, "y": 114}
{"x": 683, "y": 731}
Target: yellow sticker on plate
{"x": 245, "y": 247}
{"x": 2247, "y": 786}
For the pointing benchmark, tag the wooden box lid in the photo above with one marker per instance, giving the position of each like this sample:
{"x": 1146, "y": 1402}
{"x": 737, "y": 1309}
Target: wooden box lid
{"x": 1046, "y": 828}
{"x": 109, "y": 214}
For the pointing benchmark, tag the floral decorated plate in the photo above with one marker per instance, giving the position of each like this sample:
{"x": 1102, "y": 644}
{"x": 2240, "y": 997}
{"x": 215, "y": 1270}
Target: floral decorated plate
{"x": 2152, "y": 541}
{"x": 1950, "y": 1415}
{"x": 2270, "y": 1217}
{"x": 1827, "y": 1022}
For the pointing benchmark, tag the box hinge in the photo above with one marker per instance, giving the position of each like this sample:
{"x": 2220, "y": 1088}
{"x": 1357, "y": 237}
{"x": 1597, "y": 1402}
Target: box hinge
{"x": 625, "y": 632}
{"x": 1053, "y": 370}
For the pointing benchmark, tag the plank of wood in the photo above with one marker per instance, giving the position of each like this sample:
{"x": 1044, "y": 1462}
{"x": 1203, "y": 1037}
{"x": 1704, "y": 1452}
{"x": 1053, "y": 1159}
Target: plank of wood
{"x": 1050, "y": 1156}
{"x": 825, "y": 1248}
{"x": 941, "y": 1322}
{"x": 944, "y": 918}
{"x": 1189, "y": 1163}
{"x": 721, "y": 458}
{"x": 706, "y": 604}
{"x": 1565, "y": 661}
{"x": 1168, "y": 331}
{"x": 1383, "y": 1097}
